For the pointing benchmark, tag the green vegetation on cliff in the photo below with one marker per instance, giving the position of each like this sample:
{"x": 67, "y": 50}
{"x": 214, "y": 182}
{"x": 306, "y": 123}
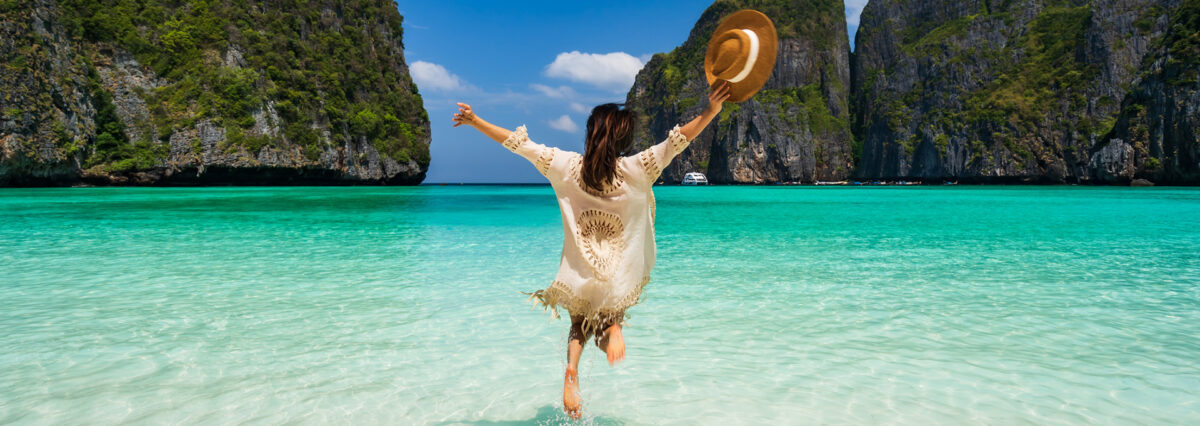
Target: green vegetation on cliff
{"x": 811, "y": 101}
{"x": 795, "y": 129}
{"x": 1047, "y": 74}
{"x": 1049, "y": 68}
{"x": 810, "y": 20}
{"x": 1027, "y": 90}
{"x": 316, "y": 64}
{"x": 1023, "y": 90}
{"x": 1183, "y": 38}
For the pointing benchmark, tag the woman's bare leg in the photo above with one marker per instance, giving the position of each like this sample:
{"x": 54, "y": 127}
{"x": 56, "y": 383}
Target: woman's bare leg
{"x": 612, "y": 342}
{"x": 572, "y": 401}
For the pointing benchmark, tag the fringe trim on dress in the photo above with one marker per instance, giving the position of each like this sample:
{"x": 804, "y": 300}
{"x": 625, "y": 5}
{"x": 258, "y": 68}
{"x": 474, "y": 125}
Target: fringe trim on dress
{"x": 558, "y": 295}
{"x": 516, "y": 138}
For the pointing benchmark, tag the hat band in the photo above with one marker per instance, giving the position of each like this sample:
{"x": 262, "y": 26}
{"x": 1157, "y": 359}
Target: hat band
{"x": 750, "y": 60}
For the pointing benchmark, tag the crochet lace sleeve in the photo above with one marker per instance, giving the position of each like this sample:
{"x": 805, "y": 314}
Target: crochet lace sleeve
{"x": 657, "y": 157}
{"x": 540, "y": 155}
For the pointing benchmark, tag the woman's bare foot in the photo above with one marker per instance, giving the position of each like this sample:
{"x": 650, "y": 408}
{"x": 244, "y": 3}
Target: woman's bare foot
{"x": 571, "y": 398}
{"x": 613, "y": 343}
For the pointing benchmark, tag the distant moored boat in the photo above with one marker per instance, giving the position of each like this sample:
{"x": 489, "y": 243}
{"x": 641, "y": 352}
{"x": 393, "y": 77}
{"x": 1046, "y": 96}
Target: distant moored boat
{"x": 695, "y": 178}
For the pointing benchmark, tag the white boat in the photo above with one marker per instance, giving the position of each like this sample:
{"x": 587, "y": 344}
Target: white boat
{"x": 695, "y": 178}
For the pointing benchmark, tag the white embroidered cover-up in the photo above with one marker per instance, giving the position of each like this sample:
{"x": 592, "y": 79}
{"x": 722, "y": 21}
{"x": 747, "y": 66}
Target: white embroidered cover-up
{"x": 608, "y": 236}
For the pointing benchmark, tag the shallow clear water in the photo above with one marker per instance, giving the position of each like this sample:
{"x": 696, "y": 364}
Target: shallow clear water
{"x": 1001, "y": 305}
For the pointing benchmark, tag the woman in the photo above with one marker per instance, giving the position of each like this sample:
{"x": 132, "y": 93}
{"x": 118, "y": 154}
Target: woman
{"x": 607, "y": 209}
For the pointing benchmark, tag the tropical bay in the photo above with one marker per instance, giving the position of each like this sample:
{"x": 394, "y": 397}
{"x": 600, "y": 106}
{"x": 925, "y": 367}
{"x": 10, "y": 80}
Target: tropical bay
{"x": 745, "y": 212}
{"x": 910, "y": 305}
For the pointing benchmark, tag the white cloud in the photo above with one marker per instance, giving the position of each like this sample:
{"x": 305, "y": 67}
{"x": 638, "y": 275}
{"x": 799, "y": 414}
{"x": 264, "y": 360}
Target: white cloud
{"x": 565, "y": 124}
{"x": 435, "y": 77}
{"x": 853, "y": 15}
{"x": 854, "y": 11}
{"x": 560, "y": 92}
{"x": 613, "y": 71}
{"x": 578, "y": 107}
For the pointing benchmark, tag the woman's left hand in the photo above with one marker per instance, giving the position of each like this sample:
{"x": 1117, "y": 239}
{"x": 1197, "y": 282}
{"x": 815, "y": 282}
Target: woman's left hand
{"x": 464, "y": 115}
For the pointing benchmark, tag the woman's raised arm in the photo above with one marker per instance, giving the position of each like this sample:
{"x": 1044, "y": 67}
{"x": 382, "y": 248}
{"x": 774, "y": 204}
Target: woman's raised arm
{"x": 656, "y": 158}
{"x": 516, "y": 141}
{"x": 716, "y": 97}
{"x": 466, "y": 116}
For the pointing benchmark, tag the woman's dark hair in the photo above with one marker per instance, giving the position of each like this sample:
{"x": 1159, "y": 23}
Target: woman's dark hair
{"x": 609, "y": 136}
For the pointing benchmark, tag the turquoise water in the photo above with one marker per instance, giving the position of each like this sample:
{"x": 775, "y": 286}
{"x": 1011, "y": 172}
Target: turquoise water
{"x": 1000, "y": 305}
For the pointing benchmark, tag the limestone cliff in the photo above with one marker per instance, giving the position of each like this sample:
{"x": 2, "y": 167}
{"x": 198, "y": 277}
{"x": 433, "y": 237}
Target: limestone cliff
{"x": 1157, "y": 134}
{"x": 1024, "y": 91}
{"x": 795, "y": 129}
{"x": 207, "y": 92}
{"x": 45, "y": 106}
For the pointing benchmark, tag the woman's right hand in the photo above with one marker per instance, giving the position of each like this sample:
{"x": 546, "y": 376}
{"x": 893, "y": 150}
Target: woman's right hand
{"x": 717, "y": 96}
{"x": 464, "y": 115}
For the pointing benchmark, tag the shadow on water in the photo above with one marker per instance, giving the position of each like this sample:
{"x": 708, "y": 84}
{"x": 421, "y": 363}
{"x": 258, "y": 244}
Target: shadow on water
{"x": 548, "y": 415}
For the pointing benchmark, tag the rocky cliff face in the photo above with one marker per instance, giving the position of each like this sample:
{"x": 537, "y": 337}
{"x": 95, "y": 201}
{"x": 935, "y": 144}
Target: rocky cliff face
{"x": 254, "y": 93}
{"x": 1157, "y": 134}
{"x": 1024, "y": 91}
{"x": 44, "y": 107}
{"x": 795, "y": 129}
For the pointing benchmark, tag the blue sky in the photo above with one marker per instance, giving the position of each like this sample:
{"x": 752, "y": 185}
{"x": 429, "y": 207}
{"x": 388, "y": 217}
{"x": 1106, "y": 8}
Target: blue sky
{"x": 543, "y": 64}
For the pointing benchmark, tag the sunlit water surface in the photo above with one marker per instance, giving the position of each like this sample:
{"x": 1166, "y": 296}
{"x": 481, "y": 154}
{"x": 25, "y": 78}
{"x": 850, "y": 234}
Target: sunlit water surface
{"x": 999, "y": 305}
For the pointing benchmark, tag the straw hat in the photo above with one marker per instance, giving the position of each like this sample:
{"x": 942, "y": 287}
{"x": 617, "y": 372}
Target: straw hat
{"x": 742, "y": 52}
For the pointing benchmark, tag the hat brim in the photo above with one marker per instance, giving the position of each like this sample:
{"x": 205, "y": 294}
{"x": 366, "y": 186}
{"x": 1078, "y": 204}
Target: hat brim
{"x": 768, "y": 39}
